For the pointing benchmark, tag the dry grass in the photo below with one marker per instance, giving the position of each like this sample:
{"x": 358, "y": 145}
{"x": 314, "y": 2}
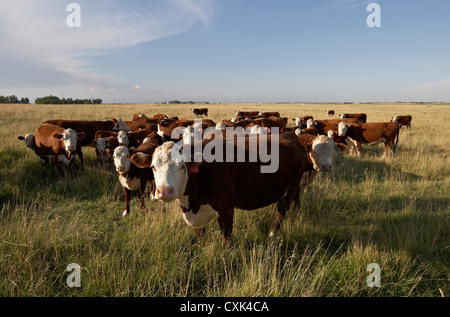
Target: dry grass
{"x": 392, "y": 211}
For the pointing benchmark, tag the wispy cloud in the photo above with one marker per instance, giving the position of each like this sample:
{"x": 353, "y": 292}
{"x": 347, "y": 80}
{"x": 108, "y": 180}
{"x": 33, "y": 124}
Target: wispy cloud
{"x": 38, "y": 49}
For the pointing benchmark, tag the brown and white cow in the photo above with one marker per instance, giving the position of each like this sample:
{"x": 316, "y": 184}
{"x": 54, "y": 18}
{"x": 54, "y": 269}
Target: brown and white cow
{"x": 403, "y": 120}
{"x": 58, "y": 144}
{"x": 321, "y": 151}
{"x": 371, "y": 133}
{"x": 200, "y": 112}
{"x": 246, "y": 113}
{"x": 360, "y": 117}
{"x": 213, "y": 189}
{"x": 323, "y": 126}
{"x": 269, "y": 114}
{"x": 90, "y": 128}
{"x": 29, "y": 140}
{"x": 330, "y": 113}
{"x": 131, "y": 176}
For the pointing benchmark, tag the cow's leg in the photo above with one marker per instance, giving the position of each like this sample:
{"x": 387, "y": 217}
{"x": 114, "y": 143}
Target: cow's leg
{"x": 282, "y": 207}
{"x": 58, "y": 167}
{"x": 127, "y": 193}
{"x": 141, "y": 195}
{"x": 225, "y": 220}
{"x": 200, "y": 233}
{"x": 80, "y": 155}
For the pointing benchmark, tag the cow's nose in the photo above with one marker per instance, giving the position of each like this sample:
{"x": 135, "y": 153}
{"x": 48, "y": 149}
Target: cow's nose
{"x": 120, "y": 168}
{"x": 165, "y": 192}
{"x": 71, "y": 149}
{"x": 326, "y": 168}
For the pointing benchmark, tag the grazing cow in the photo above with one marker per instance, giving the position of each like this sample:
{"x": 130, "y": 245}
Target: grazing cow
{"x": 246, "y": 113}
{"x": 372, "y": 134}
{"x": 31, "y": 143}
{"x": 360, "y": 117}
{"x": 58, "y": 144}
{"x": 131, "y": 176}
{"x": 165, "y": 128}
{"x": 403, "y": 120}
{"x": 200, "y": 112}
{"x": 330, "y": 113}
{"x": 213, "y": 189}
{"x": 323, "y": 126}
{"x": 136, "y": 116}
{"x": 269, "y": 114}
{"x": 320, "y": 150}
{"x": 90, "y": 128}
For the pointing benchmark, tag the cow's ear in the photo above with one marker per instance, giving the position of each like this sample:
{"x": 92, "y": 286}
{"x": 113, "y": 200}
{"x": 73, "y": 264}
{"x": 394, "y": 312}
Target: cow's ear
{"x": 81, "y": 135}
{"x": 141, "y": 160}
{"x": 58, "y": 136}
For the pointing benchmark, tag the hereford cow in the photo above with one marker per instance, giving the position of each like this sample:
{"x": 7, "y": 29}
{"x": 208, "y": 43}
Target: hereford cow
{"x": 30, "y": 142}
{"x": 131, "y": 173}
{"x": 58, "y": 144}
{"x": 246, "y": 113}
{"x": 301, "y": 122}
{"x": 323, "y": 126}
{"x": 90, "y": 128}
{"x": 213, "y": 189}
{"x": 370, "y": 133}
{"x": 330, "y": 113}
{"x": 269, "y": 114}
{"x": 321, "y": 151}
{"x": 200, "y": 112}
{"x": 403, "y": 120}
{"x": 360, "y": 117}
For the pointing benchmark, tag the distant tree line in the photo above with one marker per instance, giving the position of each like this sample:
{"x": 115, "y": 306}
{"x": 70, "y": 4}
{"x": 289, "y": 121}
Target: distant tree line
{"x": 53, "y": 100}
{"x": 13, "y": 99}
{"x": 177, "y": 102}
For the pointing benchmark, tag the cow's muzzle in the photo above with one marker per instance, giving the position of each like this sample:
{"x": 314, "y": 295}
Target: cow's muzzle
{"x": 165, "y": 193}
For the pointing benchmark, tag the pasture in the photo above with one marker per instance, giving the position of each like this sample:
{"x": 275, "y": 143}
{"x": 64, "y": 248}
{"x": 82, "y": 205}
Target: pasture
{"x": 392, "y": 211}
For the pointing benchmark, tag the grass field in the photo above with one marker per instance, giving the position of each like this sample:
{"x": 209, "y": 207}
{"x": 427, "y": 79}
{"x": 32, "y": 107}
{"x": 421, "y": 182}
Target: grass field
{"x": 393, "y": 212}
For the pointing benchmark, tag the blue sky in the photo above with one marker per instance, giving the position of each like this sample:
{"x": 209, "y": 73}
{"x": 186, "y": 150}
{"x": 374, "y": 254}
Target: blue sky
{"x": 227, "y": 50}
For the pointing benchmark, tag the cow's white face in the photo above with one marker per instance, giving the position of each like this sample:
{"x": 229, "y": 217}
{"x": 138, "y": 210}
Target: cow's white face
{"x": 122, "y": 159}
{"x": 395, "y": 120}
{"x": 310, "y": 123}
{"x": 254, "y": 129}
{"x": 342, "y": 128}
{"x": 29, "y": 140}
{"x": 221, "y": 126}
{"x": 188, "y": 137}
{"x": 170, "y": 174}
{"x": 330, "y": 134}
{"x": 69, "y": 137}
{"x": 122, "y": 137}
{"x": 323, "y": 149}
{"x": 342, "y": 116}
{"x": 100, "y": 144}
{"x": 120, "y": 125}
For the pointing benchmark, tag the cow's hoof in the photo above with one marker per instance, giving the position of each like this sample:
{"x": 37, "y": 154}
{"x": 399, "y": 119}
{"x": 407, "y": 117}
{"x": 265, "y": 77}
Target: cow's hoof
{"x": 124, "y": 214}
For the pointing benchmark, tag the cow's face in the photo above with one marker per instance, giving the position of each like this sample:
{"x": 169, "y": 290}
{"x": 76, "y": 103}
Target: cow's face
{"x": 122, "y": 137}
{"x": 69, "y": 137}
{"x": 120, "y": 125}
{"x": 122, "y": 159}
{"x": 221, "y": 126}
{"x": 342, "y": 128}
{"x": 29, "y": 140}
{"x": 170, "y": 174}
{"x": 100, "y": 144}
{"x": 395, "y": 120}
{"x": 323, "y": 151}
{"x": 298, "y": 122}
{"x": 310, "y": 123}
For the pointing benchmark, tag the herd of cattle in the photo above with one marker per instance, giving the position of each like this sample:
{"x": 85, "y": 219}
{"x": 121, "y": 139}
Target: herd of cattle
{"x": 142, "y": 151}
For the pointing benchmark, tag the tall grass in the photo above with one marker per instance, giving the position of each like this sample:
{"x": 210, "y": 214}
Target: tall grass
{"x": 392, "y": 211}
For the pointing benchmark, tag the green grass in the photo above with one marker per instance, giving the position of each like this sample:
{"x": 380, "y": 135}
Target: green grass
{"x": 394, "y": 212}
